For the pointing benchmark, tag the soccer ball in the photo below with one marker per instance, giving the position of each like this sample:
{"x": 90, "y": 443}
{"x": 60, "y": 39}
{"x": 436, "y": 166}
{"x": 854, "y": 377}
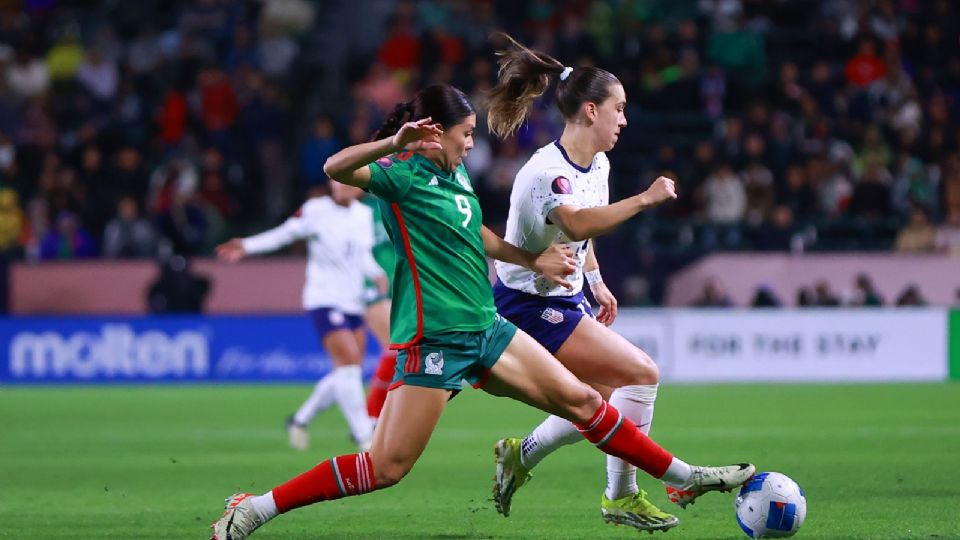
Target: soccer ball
{"x": 770, "y": 505}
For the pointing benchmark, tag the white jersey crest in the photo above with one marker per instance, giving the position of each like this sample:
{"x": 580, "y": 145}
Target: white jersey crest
{"x": 549, "y": 180}
{"x": 339, "y": 251}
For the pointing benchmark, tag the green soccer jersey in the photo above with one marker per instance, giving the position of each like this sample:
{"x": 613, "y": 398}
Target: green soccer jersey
{"x": 433, "y": 218}
{"x": 383, "y": 250}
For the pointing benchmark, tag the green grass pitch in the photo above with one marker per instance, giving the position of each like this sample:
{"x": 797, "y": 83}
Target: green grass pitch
{"x": 876, "y": 462}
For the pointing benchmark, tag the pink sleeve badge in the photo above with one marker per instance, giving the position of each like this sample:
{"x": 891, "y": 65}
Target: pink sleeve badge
{"x": 561, "y": 186}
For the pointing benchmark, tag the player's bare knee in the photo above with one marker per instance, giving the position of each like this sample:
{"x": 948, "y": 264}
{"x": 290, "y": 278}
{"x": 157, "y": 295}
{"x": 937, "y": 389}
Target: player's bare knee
{"x": 351, "y": 358}
{"x": 581, "y": 402}
{"x": 389, "y": 473}
{"x": 641, "y": 370}
{"x": 388, "y": 470}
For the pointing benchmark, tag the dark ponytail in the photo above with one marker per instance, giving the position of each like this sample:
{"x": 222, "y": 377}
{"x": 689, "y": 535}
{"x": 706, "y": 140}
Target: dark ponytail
{"x": 525, "y": 75}
{"x": 444, "y": 104}
{"x": 400, "y": 115}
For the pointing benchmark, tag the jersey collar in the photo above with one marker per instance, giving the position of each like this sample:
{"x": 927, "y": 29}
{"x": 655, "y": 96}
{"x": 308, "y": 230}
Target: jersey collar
{"x": 570, "y": 161}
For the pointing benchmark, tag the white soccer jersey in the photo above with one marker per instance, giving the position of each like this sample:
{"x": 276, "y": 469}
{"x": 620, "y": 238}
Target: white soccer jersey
{"x": 549, "y": 180}
{"x": 339, "y": 243}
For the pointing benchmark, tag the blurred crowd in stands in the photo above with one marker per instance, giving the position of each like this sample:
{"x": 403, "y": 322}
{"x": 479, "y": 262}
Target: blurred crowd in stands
{"x": 166, "y": 126}
{"x": 863, "y": 293}
{"x": 140, "y": 126}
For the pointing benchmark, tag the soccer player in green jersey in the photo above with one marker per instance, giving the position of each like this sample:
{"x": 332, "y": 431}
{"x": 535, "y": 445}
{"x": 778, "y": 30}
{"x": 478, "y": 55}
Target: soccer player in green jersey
{"x": 444, "y": 325}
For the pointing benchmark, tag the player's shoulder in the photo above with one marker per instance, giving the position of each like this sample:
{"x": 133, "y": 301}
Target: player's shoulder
{"x": 312, "y": 207}
{"x": 399, "y": 162}
{"x": 546, "y": 164}
{"x": 548, "y": 155}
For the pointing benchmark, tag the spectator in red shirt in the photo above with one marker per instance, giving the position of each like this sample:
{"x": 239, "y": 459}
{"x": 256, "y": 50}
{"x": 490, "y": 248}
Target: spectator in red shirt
{"x": 172, "y": 118}
{"x": 401, "y": 49}
{"x": 865, "y": 67}
{"x": 218, "y": 101}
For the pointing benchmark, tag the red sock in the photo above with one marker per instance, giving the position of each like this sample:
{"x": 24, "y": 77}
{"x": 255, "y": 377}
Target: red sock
{"x": 619, "y": 437}
{"x": 335, "y": 478}
{"x": 380, "y": 383}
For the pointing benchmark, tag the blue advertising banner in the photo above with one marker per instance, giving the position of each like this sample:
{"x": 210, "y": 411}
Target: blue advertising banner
{"x": 51, "y": 350}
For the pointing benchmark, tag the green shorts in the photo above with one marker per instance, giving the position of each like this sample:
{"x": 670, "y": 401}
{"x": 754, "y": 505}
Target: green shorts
{"x": 445, "y": 360}
{"x": 372, "y": 294}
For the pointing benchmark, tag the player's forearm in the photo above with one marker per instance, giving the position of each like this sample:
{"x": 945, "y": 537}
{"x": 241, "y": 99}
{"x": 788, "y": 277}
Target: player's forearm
{"x": 499, "y": 249}
{"x": 344, "y": 163}
{"x": 588, "y": 223}
{"x": 268, "y": 241}
{"x": 591, "y": 263}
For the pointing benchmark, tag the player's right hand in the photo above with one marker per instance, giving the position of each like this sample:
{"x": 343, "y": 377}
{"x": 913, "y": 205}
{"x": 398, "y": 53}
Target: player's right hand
{"x": 662, "y": 189}
{"x": 417, "y": 135}
{"x": 556, "y": 263}
{"x": 231, "y": 250}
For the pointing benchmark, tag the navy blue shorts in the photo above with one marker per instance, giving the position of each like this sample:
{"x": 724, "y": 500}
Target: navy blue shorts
{"x": 326, "y": 320}
{"x": 548, "y": 319}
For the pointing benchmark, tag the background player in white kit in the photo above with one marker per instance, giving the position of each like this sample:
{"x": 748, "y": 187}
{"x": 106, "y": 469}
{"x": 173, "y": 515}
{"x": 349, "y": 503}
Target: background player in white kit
{"x": 561, "y": 196}
{"x": 339, "y": 233}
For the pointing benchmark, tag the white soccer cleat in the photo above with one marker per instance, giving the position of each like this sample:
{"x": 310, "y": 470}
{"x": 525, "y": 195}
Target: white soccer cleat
{"x": 297, "y": 435}
{"x": 239, "y": 519}
{"x": 706, "y": 479}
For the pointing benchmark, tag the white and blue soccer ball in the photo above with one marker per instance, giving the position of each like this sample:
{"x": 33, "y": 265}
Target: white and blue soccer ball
{"x": 771, "y": 505}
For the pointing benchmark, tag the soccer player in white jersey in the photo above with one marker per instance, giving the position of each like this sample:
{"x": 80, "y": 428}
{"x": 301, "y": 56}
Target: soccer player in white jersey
{"x": 339, "y": 234}
{"x": 561, "y": 196}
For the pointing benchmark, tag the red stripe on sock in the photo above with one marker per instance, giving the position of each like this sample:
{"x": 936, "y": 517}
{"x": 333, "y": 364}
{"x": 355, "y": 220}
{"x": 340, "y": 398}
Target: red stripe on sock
{"x": 595, "y": 419}
{"x": 342, "y": 476}
{"x": 367, "y": 472}
{"x": 618, "y": 436}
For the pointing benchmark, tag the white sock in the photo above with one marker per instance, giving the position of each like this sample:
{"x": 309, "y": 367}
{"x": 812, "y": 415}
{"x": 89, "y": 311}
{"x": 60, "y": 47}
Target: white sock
{"x": 320, "y": 399}
{"x": 678, "y": 474}
{"x": 636, "y": 403}
{"x": 348, "y": 392}
{"x": 551, "y": 434}
{"x": 265, "y": 506}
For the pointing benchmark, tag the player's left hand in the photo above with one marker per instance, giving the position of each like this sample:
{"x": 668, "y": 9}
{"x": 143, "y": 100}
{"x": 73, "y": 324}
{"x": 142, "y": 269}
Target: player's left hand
{"x": 419, "y": 135}
{"x": 231, "y": 250}
{"x": 556, "y": 263}
{"x": 608, "y": 303}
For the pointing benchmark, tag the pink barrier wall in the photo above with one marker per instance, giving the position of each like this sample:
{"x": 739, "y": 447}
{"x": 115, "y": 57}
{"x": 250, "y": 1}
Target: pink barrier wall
{"x": 937, "y": 276}
{"x": 110, "y": 287}
{"x": 274, "y": 285}
{"x": 271, "y": 285}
